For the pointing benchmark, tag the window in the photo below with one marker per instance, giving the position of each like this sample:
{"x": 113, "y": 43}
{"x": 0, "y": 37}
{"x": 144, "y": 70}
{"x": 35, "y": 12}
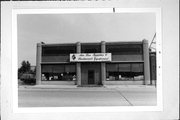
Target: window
{"x": 124, "y": 71}
{"x": 65, "y": 72}
{"x": 90, "y": 48}
{"x": 124, "y": 49}
{"x": 58, "y": 50}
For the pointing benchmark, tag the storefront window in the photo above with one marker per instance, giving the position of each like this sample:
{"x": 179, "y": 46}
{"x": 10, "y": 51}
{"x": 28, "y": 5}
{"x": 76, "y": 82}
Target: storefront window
{"x": 58, "y": 72}
{"x": 126, "y": 71}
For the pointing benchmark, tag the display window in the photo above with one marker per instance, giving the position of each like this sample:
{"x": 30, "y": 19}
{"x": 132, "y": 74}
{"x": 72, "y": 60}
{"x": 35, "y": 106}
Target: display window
{"x": 58, "y": 72}
{"x": 124, "y": 71}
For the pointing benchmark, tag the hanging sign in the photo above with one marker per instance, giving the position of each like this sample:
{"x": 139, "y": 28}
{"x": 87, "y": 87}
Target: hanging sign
{"x": 90, "y": 57}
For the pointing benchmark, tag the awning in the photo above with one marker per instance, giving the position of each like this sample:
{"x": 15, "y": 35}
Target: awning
{"x": 137, "y": 68}
{"x": 70, "y": 68}
{"x": 58, "y": 68}
{"x": 53, "y": 68}
{"x": 124, "y": 67}
{"x": 112, "y": 67}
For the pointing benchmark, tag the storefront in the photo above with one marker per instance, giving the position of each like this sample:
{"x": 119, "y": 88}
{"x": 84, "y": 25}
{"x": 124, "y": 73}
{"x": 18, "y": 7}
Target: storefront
{"x": 93, "y": 63}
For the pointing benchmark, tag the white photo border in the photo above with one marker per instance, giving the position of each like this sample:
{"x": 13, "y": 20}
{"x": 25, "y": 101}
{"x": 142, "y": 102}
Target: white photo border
{"x": 156, "y": 11}
{"x": 167, "y": 46}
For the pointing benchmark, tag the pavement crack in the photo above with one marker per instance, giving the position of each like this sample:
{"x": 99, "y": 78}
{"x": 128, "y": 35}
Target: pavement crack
{"x": 123, "y": 96}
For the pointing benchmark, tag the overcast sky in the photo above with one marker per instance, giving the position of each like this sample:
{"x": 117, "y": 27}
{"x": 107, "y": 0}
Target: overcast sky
{"x": 70, "y": 28}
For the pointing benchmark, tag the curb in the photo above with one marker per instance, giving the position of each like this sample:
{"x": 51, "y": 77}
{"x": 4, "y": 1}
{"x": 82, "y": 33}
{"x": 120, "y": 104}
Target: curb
{"x": 129, "y": 86}
{"x": 85, "y": 87}
{"x": 46, "y": 87}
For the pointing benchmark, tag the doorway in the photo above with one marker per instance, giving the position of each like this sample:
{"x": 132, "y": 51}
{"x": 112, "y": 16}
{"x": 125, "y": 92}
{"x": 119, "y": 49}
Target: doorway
{"x": 91, "y": 77}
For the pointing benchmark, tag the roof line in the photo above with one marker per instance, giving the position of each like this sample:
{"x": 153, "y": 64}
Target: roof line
{"x": 56, "y": 44}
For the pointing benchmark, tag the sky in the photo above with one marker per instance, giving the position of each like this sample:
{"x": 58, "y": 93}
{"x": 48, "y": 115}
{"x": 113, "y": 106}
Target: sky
{"x": 70, "y": 28}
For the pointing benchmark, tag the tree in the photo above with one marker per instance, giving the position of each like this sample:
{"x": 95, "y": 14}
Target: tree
{"x": 25, "y": 68}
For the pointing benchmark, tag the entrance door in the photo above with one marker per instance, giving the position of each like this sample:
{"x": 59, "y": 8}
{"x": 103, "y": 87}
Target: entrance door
{"x": 91, "y": 77}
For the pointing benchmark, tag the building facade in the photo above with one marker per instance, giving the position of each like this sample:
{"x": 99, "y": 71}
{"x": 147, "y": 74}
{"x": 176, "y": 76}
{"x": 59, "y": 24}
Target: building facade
{"x": 102, "y": 63}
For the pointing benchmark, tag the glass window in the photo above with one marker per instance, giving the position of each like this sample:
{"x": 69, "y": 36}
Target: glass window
{"x": 58, "y": 50}
{"x": 90, "y": 48}
{"x": 58, "y": 72}
{"x": 124, "y": 49}
{"x": 124, "y": 71}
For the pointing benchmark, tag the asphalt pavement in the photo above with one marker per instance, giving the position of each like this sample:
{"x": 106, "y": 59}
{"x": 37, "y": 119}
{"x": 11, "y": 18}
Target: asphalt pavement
{"x": 66, "y": 96}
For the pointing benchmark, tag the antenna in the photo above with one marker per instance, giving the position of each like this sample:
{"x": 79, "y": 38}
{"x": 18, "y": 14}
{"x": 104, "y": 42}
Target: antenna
{"x": 153, "y": 42}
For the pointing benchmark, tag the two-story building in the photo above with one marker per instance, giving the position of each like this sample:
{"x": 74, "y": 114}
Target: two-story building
{"x": 101, "y": 63}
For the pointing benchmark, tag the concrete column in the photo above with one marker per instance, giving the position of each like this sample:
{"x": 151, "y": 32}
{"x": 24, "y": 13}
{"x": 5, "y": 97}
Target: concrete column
{"x": 38, "y": 63}
{"x": 103, "y": 65}
{"x": 78, "y": 65}
{"x": 146, "y": 62}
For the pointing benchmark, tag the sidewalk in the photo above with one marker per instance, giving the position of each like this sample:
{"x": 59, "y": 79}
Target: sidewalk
{"x": 75, "y": 86}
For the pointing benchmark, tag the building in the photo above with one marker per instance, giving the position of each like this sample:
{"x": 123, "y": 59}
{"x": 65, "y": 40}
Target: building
{"x": 152, "y": 56}
{"x": 102, "y": 63}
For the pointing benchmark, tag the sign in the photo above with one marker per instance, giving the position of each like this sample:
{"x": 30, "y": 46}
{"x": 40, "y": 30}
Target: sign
{"x": 90, "y": 57}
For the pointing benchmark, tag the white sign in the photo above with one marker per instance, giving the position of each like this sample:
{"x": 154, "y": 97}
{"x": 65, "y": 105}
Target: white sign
{"x": 92, "y": 57}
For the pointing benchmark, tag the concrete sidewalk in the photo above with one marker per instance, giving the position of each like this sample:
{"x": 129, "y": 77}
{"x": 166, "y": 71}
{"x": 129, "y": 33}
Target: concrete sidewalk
{"x": 86, "y": 87}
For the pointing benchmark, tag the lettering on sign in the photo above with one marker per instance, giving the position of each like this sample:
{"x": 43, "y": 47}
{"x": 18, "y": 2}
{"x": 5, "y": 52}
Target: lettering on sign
{"x": 92, "y": 57}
